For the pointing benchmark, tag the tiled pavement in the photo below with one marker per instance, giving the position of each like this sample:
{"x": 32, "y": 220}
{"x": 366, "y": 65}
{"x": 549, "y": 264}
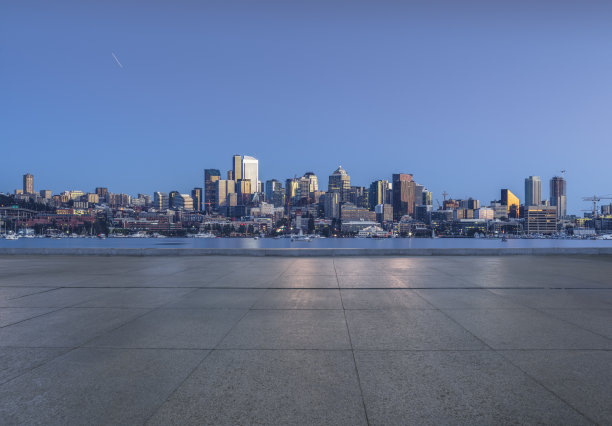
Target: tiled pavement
{"x": 247, "y": 340}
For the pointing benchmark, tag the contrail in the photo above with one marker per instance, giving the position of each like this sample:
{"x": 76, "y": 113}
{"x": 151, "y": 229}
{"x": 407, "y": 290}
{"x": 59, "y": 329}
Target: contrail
{"x": 117, "y": 60}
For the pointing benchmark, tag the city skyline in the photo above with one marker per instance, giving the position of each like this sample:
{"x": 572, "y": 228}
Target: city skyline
{"x": 469, "y": 99}
{"x": 243, "y": 162}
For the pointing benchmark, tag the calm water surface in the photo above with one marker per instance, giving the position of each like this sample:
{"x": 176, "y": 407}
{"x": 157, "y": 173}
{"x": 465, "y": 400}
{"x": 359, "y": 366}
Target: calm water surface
{"x": 287, "y": 243}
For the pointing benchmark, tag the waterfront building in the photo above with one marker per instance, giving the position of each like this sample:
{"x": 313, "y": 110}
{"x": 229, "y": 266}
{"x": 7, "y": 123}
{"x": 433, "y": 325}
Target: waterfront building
{"x": 378, "y": 193}
{"x": 357, "y": 225}
{"x": 211, "y": 176}
{"x": 340, "y": 182}
{"x": 196, "y": 195}
{"x": 533, "y": 191}
{"x": 28, "y": 183}
{"x": 557, "y": 195}
{"x": 160, "y": 201}
{"x": 350, "y": 212}
{"x": 541, "y": 219}
{"x": 484, "y": 213}
{"x": 511, "y": 202}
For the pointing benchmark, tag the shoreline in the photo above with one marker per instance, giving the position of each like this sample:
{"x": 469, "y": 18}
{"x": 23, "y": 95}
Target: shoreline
{"x": 308, "y": 252}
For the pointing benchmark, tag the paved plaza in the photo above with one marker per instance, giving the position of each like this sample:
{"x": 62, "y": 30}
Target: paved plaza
{"x": 289, "y": 340}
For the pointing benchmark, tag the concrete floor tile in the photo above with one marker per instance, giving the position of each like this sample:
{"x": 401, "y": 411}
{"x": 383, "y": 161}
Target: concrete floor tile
{"x": 408, "y": 330}
{"x": 305, "y": 281}
{"x": 10, "y": 316}
{"x": 66, "y": 327}
{"x": 173, "y": 329}
{"x": 17, "y": 361}
{"x": 467, "y": 299}
{"x": 268, "y": 387}
{"x": 383, "y": 299}
{"x": 299, "y": 299}
{"x": 136, "y": 298}
{"x": 59, "y": 298}
{"x": 581, "y": 378}
{"x": 289, "y": 329}
{"x": 101, "y": 386}
{"x": 526, "y": 329}
{"x": 468, "y": 387}
{"x": 212, "y": 298}
{"x": 599, "y": 321}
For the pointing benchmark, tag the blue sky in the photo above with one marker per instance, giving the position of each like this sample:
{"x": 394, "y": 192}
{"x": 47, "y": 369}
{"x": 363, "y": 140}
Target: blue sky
{"x": 470, "y": 97}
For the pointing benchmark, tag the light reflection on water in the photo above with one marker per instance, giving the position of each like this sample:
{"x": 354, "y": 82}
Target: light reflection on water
{"x": 287, "y": 243}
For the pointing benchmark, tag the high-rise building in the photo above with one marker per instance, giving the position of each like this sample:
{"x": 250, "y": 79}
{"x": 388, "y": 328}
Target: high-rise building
{"x": 211, "y": 176}
{"x": 102, "y": 193}
{"x": 292, "y": 187}
{"x": 183, "y": 202}
{"x": 403, "y": 195}
{"x": 196, "y": 195}
{"x": 533, "y": 191}
{"x": 236, "y": 167}
{"x": 45, "y": 193}
{"x": 250, "y": 171}
{"x": 28, "y": 183}
{"x": 541, "y": 219}
{"x": 427, "y": 198}
{"x": 511, "y": 202}
{"x": 331, "y": 205}
{"x": 171, "y": 199}
{"x": 160, "y": 201}
{"x": 340, "y": 182}
{"x": 222, "y": 192}
{"x": 557, "y": 195}
{"x": 378, "y": 193}
{"x": 275, "y": 193}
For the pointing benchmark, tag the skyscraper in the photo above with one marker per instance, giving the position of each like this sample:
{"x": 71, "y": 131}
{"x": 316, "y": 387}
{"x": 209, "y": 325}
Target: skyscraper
{"x": 533, "y": 191}
{"x": 511, "y": 202}
{"x": 340, "y": 182}
{"x": 274, "y": 192}
{"x": 196, "y": 195}
{"x": 250, "y": 171}
{"x": 160, "y": 201}
{"x": 28, "y": 184}
{"x": 211, "y": 176}
{"x": 557, "y": 195}
{"x": 378, "y": 193}
{"x": 237, "y": 167}
{"x": 403, "y": 195}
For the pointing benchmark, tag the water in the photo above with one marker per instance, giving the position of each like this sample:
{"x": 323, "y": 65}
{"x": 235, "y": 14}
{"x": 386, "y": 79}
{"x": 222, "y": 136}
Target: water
{"x": 287, "y": 243}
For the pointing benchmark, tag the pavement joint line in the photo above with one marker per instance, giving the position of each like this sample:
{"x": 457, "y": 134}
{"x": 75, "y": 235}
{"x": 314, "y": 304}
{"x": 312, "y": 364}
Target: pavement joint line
{"x": 498, "y": 351}
{"x": 27, "y": 319}
{"x": 211, "y": 351}
{"x": 547, "y": 388}
{"x": 48, "y": 289}
{"x": 348, "y": 332}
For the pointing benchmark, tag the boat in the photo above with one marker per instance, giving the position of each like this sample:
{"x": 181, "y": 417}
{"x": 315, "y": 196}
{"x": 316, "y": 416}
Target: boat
{"x": 300, "y": 237}
{"x": 206, "y": 235}
{"x": 11, "y": 237}
{"x": 605, "y": 237}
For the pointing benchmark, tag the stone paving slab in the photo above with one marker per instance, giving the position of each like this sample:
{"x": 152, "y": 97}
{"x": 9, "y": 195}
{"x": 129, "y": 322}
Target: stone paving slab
{"x": 305, "y": 340}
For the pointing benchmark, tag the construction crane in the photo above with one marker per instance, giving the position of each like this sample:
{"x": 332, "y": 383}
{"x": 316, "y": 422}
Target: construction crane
{"x": 596, "y": 199}
{"x": 445, "y": 194}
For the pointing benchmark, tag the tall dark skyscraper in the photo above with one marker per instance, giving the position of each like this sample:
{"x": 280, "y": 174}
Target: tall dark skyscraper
{"x": 196, "y": 194}
{"x": 558, "y": 196}
{"x": 211, "y": 176}
{"x": 28, "y": 184}
{"x": 403, "y": 195}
